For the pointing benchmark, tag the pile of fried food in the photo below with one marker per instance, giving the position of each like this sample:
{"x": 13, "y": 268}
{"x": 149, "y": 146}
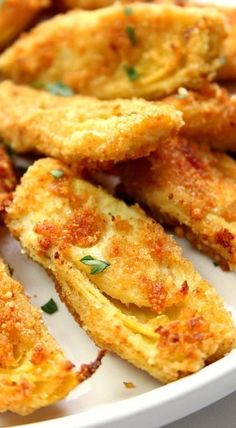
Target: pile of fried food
{"x": 128, "y": 90}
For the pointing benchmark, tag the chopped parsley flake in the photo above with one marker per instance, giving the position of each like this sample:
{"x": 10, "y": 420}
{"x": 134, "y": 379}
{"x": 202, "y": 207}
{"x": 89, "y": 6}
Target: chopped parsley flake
{"x": 182, "y": 93}
{"x": 131, "y": 73}
{"x": 132, "y": 35}
{"x": 50, "y": 307}
{"x": 128, "y": 10}
{"x": 59, "y": 88}
{"x": 98, "y": 265}
{"x": 216, "y": 263}
{"x": 56, "y": 88}
{"x": 57, "y": 173}
{"x": 222, "y": 61}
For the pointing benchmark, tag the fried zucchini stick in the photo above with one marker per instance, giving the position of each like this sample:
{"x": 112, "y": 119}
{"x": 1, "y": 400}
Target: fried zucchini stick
{"x": 33, "y": 370}
{"x": 80, "y": 129}
{"x": 193, "y": 188}
{"x": 120, "y": 275}
{"x": 143, "y": 51}
{"x": 16, "y": 15}
{"x": 209, "y": 116}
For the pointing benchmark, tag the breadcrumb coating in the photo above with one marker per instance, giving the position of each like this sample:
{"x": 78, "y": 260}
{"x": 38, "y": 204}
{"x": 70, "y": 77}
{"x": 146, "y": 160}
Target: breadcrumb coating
{"x": 146, "y": 303}
{"x": 110, "y": 53}
{"x": 193, "y": 188}
{"x": 209, "y": 116}
{"x": 33, "y": 370}
{"x": 16, "y": 15}
{"x": 7, "y": 180}
{"x": 81, "y": 129}
{"x": 228, "y": 69}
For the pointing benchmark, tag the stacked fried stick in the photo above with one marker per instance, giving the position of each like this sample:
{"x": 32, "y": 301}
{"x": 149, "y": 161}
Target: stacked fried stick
{"x": 131, "y": 94}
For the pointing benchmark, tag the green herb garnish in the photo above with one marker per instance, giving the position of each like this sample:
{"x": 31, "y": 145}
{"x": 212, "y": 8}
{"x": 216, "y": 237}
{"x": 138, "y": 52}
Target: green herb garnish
{"x": 128, "y": 10}
{"x": 131, "y": 73}
{"x": 50, "y": 307}
{"x": 59, "y": 88}
{"x": 98, "y": 265}
{"x": 2, "y": 2}
{"x": 132, "y": 35}
{"x": 223, "y": 60}
{"x": 216, "y": 264}
{"x": 57, "y": 173}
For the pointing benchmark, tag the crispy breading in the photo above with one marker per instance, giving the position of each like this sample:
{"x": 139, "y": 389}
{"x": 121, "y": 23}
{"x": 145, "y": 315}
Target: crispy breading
{"x": 33, "y": 370}
{"x": 228, "y": 70}
{"x": 194, "y": 188}
{"x": 86, "y": 4}
{"x": 209, "y": 116}
{"x": 16, "y": 15}
{"x": 147, "y": 304}
{"x": 111, "y": 53}
{"x": 7, "y": 179}
{"x": 81, "y": 129}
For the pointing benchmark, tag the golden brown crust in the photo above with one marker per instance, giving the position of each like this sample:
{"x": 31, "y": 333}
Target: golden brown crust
{"x": 228, "y": 71}
{"x": 95, "y": 54}
{"x": 33, "y": 370}
{"x": 209, "y": 116}
{"x": 86, "y": 4}
{"x": 16, "y": 15}
{"x": 80, "y": 129}
{"x": 7, "y": 180}
{"x": 147, "y": 293}
{"x": 193, "y": 187}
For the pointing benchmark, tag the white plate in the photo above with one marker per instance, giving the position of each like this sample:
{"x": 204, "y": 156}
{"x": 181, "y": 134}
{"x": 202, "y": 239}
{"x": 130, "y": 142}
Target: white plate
{"x": 103, "y": 400}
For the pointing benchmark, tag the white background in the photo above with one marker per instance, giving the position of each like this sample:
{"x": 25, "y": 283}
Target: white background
{"x": 220, "y": 415}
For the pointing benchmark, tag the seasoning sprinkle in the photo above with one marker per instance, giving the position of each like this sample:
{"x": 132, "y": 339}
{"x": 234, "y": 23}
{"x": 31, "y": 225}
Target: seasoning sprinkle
{"x": 132, "y": 35}
{"x": 129, "y": 385}
{"x": 98, "y": 265}
{"x": 57, "y": 173}
{"x": 131, "y": 73}
{"x": 50, "y": 307}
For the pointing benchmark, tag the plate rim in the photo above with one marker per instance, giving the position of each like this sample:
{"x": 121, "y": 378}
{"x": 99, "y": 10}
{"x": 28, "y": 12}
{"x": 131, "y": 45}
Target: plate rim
{"x": 218, "y": 378}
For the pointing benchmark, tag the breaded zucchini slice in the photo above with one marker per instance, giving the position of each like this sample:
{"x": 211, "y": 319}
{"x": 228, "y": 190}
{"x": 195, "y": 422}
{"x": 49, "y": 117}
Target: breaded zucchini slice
{"x": 145, "y": 51}
{"x": 189, "y": 186}
{"x": 81, "y": 129}
{"x": 33, "y": 370}
{"x": 209, "y": 116}
{"x": 7, "y": 179}
{"x": 16, "y": 15}
{"x": 121, "y": 276}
